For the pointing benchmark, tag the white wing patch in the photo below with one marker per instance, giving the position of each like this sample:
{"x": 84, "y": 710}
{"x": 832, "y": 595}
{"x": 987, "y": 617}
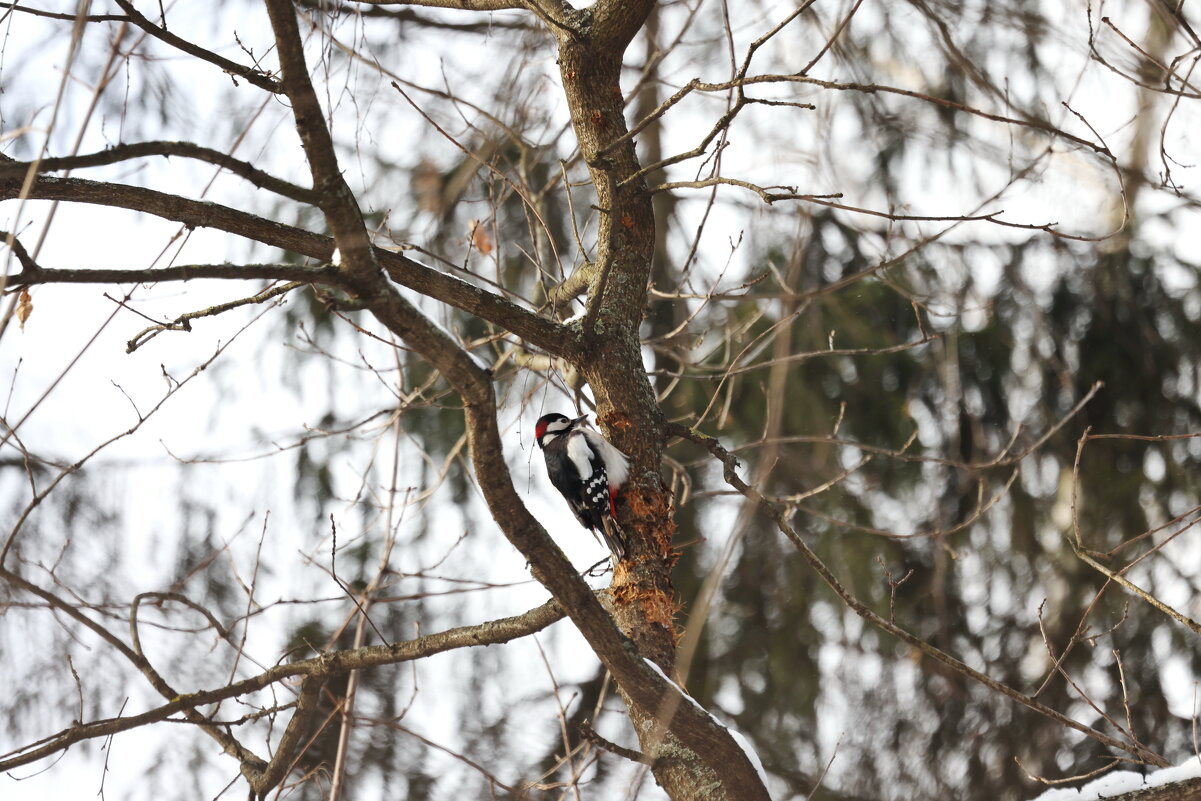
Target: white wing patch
{"x": 580, "y": 455}
{"x": 617, "y": 466}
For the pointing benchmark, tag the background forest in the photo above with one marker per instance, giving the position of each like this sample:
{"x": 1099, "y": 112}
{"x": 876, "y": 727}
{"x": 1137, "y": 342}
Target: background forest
{"x": 926, "y": 271}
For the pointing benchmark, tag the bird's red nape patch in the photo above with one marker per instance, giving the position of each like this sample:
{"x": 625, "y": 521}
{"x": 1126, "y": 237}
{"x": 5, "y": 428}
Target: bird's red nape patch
{"x": 539, "y": 429}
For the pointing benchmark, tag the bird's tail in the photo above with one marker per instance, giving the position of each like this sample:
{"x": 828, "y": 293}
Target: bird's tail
{"x": 614, "y": 537}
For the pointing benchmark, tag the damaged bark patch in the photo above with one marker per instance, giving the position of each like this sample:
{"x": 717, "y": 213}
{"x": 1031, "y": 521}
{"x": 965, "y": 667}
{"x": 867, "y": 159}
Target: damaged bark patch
{"x": 651, "y": 518}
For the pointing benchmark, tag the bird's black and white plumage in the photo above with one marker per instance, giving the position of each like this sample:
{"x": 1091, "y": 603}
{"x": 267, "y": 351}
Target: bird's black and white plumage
{"x": 588, "y": 470}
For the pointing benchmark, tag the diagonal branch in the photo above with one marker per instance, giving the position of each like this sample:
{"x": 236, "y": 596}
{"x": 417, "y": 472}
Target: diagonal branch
{"x": 689, "y": 727}
{"x": 1117, "y": 577}
{"x": 572, "y": 286}
{"x": 184, "y": 321}
{"x": 251, "y": 75}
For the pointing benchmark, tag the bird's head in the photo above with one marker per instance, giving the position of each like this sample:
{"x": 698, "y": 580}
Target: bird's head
{"x": 552, "y": 425}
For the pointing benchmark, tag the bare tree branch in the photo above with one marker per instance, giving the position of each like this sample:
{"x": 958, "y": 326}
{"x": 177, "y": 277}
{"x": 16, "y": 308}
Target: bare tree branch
{"x": 124, "y": 152}
{"x": 539, "y": 331}
{"x": 251, "y": 75}
{"x": 326, "y": 275}
{"x": 405, "y": 15}
{"x": 461, "y": 5}
{"x": 66, "y": 17}
{"x": 321, "y": 667}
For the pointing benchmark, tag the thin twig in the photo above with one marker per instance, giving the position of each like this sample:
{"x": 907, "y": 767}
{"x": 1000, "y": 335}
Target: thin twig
{"x": 589, "y": 734}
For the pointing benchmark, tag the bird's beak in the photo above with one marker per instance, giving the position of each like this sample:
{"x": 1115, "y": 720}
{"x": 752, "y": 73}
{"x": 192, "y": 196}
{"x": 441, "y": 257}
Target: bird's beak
{"x": 578, "y": 420}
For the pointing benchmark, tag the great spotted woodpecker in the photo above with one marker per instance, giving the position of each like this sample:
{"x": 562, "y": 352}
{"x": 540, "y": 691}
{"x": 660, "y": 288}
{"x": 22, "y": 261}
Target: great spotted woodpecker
{"x": 588, "y": 470}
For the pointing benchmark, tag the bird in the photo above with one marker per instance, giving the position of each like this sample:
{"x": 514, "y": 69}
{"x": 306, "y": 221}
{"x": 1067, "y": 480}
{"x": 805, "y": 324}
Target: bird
{"x": 588, "y": 470}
